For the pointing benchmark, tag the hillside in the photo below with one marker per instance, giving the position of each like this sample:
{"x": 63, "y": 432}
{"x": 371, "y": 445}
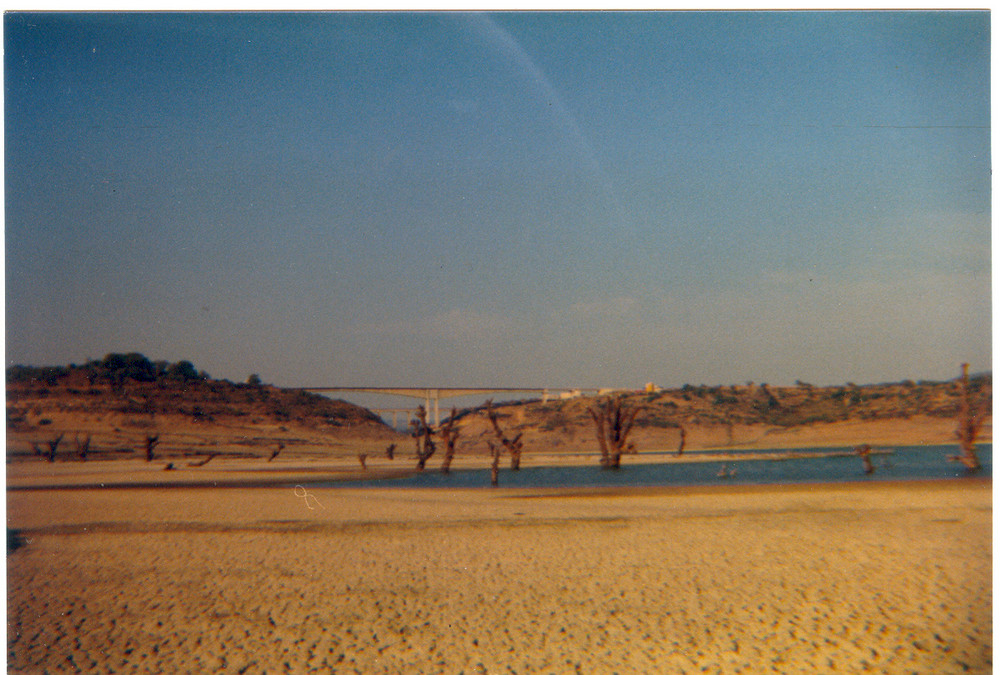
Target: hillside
{"x": 123, "y": 400}
{"x": 748, "y": 416}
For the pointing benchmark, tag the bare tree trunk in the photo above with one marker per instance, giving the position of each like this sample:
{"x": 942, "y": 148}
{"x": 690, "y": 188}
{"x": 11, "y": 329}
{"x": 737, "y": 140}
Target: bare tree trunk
{"x": 281, "y": 446}
{"x": 865, "y": 451}
{"x": 82, "y": 448}
{"x": 449, "y": 433}
{"x": 151, "y": 442}
{"x": 53, "y": 446}
{"x": 970, "y": 421}
{"x": 211, "y": 456}
{"x": 495, "y": 466}
{"x": 513, "y": 445}
{"x": 602, "y": 439}
{"x": 614, "y": 423}
{"x": 422, "y": 436}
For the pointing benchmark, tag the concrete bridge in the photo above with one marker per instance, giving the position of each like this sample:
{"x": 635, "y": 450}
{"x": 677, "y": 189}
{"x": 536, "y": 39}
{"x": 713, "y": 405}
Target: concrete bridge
{"x": 435, "y": 394}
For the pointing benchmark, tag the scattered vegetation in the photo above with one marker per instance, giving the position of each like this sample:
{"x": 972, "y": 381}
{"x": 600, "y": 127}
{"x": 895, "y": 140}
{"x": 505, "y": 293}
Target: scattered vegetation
{"x": 143, "y": 391}
{"x": 113, "y": 368}
{"x": 735, "y": 406}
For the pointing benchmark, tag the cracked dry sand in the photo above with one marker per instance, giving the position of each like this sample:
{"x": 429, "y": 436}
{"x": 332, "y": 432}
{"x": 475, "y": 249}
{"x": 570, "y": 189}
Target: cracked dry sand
{"x": 850, "y": 579}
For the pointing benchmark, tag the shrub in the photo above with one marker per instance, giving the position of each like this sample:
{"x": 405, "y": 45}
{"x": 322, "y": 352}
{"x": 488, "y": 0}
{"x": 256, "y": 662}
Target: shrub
{"x": 182, "y": 371}
{"x": 131, "y": 366}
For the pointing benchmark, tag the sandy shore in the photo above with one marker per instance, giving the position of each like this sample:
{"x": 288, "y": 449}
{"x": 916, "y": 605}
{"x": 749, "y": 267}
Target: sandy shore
{"x": 892, "y": 578}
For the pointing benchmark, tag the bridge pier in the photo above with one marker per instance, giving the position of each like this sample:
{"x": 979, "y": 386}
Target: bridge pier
{"x": 433, "y": 416}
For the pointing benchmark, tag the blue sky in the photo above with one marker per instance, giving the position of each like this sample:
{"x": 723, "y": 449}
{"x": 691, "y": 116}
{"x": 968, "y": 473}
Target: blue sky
{"x": 513, "y": 199}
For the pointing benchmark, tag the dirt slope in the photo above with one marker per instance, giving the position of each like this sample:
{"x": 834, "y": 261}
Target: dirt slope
{"x": 189, "y": 415}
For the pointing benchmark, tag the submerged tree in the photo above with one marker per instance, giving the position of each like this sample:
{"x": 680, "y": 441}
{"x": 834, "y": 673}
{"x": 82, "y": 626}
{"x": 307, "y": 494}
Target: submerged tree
{"x": 864, "y": 452}
{"x": 151, "y": 442}
{"x": 495, "y": 465}
{"x": 613, "y": 420}
{"x": 449, "y": 434}
{"x": 513, "y": 445}
{"x": 281, "y": 446}
{"x": 971, "y": 416}
{"x": 54, "y": 446}
{"x": 423, "y": 437}
{"x": 82, "y": 447}
{"x": 211, "y": 456}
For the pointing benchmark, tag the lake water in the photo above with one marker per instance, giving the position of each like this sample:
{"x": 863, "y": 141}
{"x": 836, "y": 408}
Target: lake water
{"x": 904, "y": 463}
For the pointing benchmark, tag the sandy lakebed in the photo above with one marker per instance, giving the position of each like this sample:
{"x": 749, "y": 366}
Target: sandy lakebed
{"x": 215, "y": 575}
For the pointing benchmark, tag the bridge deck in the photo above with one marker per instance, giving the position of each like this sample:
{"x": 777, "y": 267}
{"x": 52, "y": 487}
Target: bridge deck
{"x": 437, "y": 393}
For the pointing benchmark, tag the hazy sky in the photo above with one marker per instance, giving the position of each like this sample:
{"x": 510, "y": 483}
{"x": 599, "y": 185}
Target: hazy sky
{"x": 515, "y": 199}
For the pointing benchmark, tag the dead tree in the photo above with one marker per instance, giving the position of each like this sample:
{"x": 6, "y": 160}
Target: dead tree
{"x": 449, "y": 434}
{"x": 971, "y": 416}
{"x": 864, "y": 452}
{"x": 151, "y": 442}
{"x": 513, "y": 445}
{"x": 495, "y": 466}
{"x": 82, "y": 447}
{"x": 423, "y": 437}
{"x": 211, "y": 456}
{"x": 281, "y": 446}
{"x": 614, "y": 422}
{"x": 53, "y": 446}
